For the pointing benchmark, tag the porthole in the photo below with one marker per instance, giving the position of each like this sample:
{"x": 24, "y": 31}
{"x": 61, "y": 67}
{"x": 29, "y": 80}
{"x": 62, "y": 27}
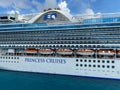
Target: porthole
{"x": 103, "y": 61}
{"x": 108, "y": 61}
{"x": 89, "y": 60}
{"x": 113, "y": 61}
{"x": 89, "y": 65}
{"x": 76, "y": 60}
{"x": 81, "y": 60}
{"x": 108, "y": 66}
{"x": 85, "y": 65}
{"x": 94, "y": 61}
{"x": 85, "y": 60}
{"x": 76, "y": 64}
{"x": 103, "y": 66}
{"x": 98, "y": 66}
{"x": 94, "y": 65}
{"x": 98, "y": 61}
{"x": 113, "y": 66}
{"x": 81, "y": 65}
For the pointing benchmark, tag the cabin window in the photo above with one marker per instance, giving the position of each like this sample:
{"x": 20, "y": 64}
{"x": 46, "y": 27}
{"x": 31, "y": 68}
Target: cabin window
{"x": 103, "y": 66}
{"x": 94, "y": 61}
{"x": 94, "y": 65}
{"x": 12, "y": 18}
{"x": 98, "y": 66}
{"x": 81, "y": 60}
{"x": 108, "y": 61}
{"x": 89, "y": 60}
{"x": 76, "y": 60}
{"x": 85, "y": 60}
{"x": 85, "y": 65}
{"x": 76, "y": 64}
{"x": 89, "y": 65}
{"x": 81, "y": 65}
{"x": 5, "y": 17}
{"x": 113, "y": 61}
{"x": 103, "y": 61}
{"x": 113, "y": 66}
{"x": 108, "y": 66}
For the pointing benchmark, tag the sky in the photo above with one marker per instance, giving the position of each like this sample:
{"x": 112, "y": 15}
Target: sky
{"x": 71, "y": 6}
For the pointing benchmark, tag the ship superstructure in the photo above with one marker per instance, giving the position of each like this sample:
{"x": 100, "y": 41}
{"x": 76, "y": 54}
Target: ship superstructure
{"x": 58, "y": 43}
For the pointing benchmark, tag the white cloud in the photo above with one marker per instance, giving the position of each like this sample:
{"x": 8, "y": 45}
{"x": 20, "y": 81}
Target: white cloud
{"x": 32, "y": 5}
{"x": 5, "y": 3}
{"x": 22, "y": 4}
{"x": 63, "y": 6}
{"x": 89, "y": 11}
{"x": 50, "y": 4}
{"x": 41, "y": 6}
{"x": 16, "y": 4}
{"x": 13, "y": 12}
{"x": 37, "y": 6}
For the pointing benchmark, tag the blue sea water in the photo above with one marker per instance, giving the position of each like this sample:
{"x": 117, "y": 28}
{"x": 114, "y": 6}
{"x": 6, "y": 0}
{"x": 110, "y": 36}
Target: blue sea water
{"x": 31, "y": 81}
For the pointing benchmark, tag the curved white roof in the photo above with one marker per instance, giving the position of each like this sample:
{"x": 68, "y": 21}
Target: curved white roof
{"x": 67, "y": 15}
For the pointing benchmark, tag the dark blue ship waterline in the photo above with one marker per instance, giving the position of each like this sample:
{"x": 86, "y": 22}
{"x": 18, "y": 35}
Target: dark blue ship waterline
{"x": 30, "y": 81}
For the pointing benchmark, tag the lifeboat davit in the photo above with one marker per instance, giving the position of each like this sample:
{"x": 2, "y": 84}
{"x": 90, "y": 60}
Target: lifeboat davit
{"x": 31, "y": 50}
{"x": 85, "y": 52}
{"x": 45, "y": 51}
{"x": 106, "y": 52}
{"x": 64, "y": 51}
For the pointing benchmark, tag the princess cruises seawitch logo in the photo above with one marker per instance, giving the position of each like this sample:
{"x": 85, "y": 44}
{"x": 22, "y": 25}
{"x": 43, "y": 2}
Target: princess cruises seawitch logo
{"x": 50, "y": 16}
{"x": 46, "y": 60}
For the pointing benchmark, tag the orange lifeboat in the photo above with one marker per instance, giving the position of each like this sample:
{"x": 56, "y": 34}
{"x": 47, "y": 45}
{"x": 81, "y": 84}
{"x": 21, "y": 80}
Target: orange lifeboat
{"x": 31, "y": 50}
{"x": 118, "y": 52}
{"x": 106, "y": 52}
{"x": 85, "y": 52}
{"x": 64, "y": 51}
{"x": 45, "y": 51}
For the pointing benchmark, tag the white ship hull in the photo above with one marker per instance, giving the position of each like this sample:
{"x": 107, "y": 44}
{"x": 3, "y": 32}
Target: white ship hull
{"x": 64, "y": 66}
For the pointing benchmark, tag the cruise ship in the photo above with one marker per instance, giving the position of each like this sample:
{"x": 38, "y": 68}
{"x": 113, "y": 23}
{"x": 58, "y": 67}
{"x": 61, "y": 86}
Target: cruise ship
{"x": 55, "y": 42}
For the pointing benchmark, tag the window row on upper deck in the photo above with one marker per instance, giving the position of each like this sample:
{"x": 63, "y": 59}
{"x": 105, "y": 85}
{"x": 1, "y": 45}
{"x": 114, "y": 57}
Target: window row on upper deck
{"x": 101, "y": 20}
{"x": 64, "y": 37}
{"x": 60, "y": 27}
{"x": 33, "y": 34}
{"x": 62, "y": 32}
{"x": 63, "y": 42}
